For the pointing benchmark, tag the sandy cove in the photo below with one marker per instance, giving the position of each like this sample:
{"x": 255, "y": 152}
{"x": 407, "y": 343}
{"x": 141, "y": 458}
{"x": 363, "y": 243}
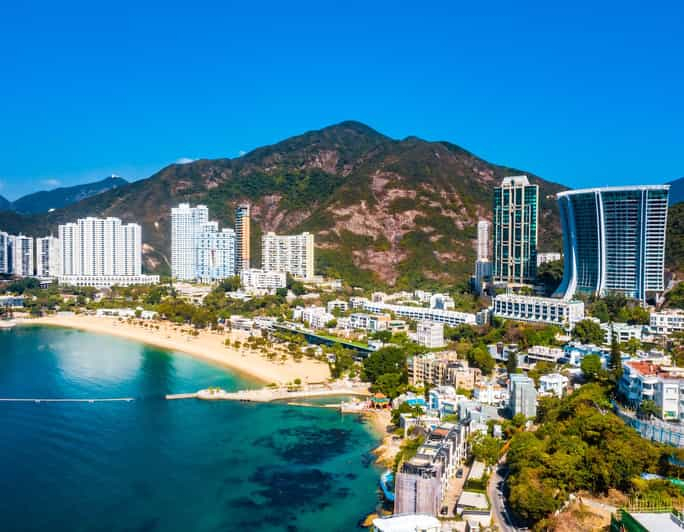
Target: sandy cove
{"x": 208, "y": 345}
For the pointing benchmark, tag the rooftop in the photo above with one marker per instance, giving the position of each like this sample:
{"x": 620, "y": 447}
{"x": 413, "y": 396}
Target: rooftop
{"x": 402, "y": 523}
{"x": 613, "y": 189}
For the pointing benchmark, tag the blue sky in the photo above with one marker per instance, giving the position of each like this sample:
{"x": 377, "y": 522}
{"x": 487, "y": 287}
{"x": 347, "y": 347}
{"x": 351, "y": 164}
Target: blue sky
{"x": 580, "y": 94}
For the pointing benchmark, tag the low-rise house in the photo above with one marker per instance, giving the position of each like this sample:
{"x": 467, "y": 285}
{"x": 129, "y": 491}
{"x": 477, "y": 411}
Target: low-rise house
{"x": 407, "y": 523}
{"x": 540, "y": 353}
{"x": 490, "y": 393}
{"x": 553, "y": 383}
{"x": 337, "y": 304}
{"x": 667, "y": 321}
{"x": 315, "y": 317}
{"x": 12, "y": 301}
{"x": 642, "y": 380}
{"x": 623, "y": 331}
{"x": 369, "y": 322}
{"x": 240, "y": 323}
{"x": 256, "y": 279}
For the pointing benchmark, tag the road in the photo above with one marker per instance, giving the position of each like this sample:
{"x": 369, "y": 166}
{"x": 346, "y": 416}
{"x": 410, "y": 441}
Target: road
{"x": 500, "y": 513}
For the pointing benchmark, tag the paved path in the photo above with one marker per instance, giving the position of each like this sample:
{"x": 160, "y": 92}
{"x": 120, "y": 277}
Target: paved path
{"x": 48, "y": 400}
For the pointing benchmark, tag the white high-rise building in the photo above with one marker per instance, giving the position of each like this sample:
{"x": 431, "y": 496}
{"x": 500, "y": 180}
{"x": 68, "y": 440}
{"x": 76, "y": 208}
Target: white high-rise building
{"x": 21, "y": 253}
{"x": 215, "y": 253}
{"x": 101, "y": 253}
{"x": 47, "y": 257}
{"x": 186, "y": 225}
{"x": 4, "y": 253}
{"x": 293, "y": 254}
{"x": 483, "y": 240}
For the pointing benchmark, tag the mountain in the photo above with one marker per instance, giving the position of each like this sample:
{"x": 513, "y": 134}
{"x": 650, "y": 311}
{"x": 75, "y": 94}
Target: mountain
{"x": 61, "y": 197}
{"x": 384, "y": 211}
{"x": 5, "y": 204}
{"x": 677, "y": 191}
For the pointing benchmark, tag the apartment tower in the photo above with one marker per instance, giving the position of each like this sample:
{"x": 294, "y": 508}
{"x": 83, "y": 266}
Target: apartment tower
{"x": 186, "y": 225}
{"x": 293, "y": 254}
{"x": 516, "y": 212}
{"x": 614, "y": 240}
{"x": 48, "y": 263}
{"x": 242, "y": 236}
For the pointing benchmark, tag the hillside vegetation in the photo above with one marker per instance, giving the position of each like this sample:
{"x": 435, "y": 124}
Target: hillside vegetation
{"x": 385, "y": 211}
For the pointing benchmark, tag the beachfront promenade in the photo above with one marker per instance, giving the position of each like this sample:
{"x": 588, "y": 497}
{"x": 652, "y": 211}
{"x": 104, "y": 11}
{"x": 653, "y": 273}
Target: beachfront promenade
{"x": 261, "y": 395}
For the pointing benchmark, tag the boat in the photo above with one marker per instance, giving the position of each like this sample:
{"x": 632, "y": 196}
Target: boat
{"x": 387, "y": 485}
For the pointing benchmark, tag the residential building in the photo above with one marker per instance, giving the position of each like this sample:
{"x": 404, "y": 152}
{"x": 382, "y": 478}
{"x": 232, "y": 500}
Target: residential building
{"x": 449, "y": 317}
{"x": 614, "y": 240}
{"x": 242, "y": 236}
{"x": 541, "y": 353}
{"x": 21, "y": 255}
{"x": 516, "y": 213}
{"x": 502, "y": 352}
{"x": 215, "y": 253}
{"x": 551, "y": 256}
{"x": 293, "y": 254}
{"x": 48, "y": 262}
{"x": 186, "y": 225}
{"x": 441, "y": 302}
{"x": 11, "y": 301}
{"x": 315, "y": 317}
{"x": 643, "y": 380}
{"x": 337, "y": 304}
{"x": 369, "y": 322}
{"x": 483, "y": 273}
{"x": 523, "y": 395}
{"x": 442, "y": 369}
{"x": 489, "y": 393}
{"x": 422, "y": 481}
{"x": 5, "y": 264}
{"x": 101, "y": 253}
{"x": 666, "y": 322}
{"x": 538, "y": 309}
{"x": 622, "y": 331}
{"x": 430, "y": 334}
{"x": 255, "y": 279}
{"x": 483, "y": 240}
{"x": 553, "y": 383}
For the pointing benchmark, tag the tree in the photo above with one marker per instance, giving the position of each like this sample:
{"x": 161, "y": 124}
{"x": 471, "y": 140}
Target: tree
{"x": 588, "y": 332}
{"x": 386, "y": 360}
{"x": 631, "y": 346}
{"x": 591, "y": 367}
{"x": 405, "y": 408}
{"x": 480, "y": 358}
{"x": 600, "y": 310}
{"x": 648, "y": 408}
{"x": 512, "y": 363}
{"x": 388, "y": 384}
{"x": 615, "y": 357}
{"x": 485, "y": 448}
{"x": 550, "y": 275}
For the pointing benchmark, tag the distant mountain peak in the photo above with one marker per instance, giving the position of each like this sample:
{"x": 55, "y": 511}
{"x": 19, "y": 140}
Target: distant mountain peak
{"x": 58, "y": 198}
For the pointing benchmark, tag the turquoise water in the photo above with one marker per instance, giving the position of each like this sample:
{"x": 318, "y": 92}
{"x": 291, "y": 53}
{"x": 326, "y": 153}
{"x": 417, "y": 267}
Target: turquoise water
{"x": 157, "y": 465}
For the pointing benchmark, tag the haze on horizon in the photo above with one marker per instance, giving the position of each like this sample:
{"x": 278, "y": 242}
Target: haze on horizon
{"x": 584, "y": 96}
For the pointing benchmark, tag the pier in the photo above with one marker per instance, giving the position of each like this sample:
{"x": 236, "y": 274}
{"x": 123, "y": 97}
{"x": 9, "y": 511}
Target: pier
{"x": 49, "y": 400}
{"x": 261, "y": 395}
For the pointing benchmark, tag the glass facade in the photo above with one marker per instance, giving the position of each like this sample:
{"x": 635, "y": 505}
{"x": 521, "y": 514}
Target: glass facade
{"x": 516, "y": 211}
{"x": 614, "y": 240}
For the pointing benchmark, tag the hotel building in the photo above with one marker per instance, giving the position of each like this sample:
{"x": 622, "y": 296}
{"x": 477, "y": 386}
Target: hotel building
{"x": 47, "y": 257}
{"x": 101, "y": 253}
{"x": 293, "y": 254}
{"x": 242, "y": 238}
{"x": 186, "y": 225}
{"x": 614, "y": 240}
{"x": 516, "y": 212}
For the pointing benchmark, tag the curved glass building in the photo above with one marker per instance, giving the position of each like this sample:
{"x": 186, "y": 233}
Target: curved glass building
{"x": 613, "y": 240}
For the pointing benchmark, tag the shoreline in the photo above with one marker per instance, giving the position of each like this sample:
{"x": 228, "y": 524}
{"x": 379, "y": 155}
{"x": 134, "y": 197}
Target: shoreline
{"x": 208, "y": 346}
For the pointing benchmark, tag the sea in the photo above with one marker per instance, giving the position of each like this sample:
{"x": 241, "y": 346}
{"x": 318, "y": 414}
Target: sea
{"x": 157, "y": 465}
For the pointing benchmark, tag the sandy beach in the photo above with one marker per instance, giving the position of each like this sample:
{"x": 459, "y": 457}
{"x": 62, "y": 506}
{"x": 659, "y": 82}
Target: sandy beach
{"x": 208, "y": 346}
